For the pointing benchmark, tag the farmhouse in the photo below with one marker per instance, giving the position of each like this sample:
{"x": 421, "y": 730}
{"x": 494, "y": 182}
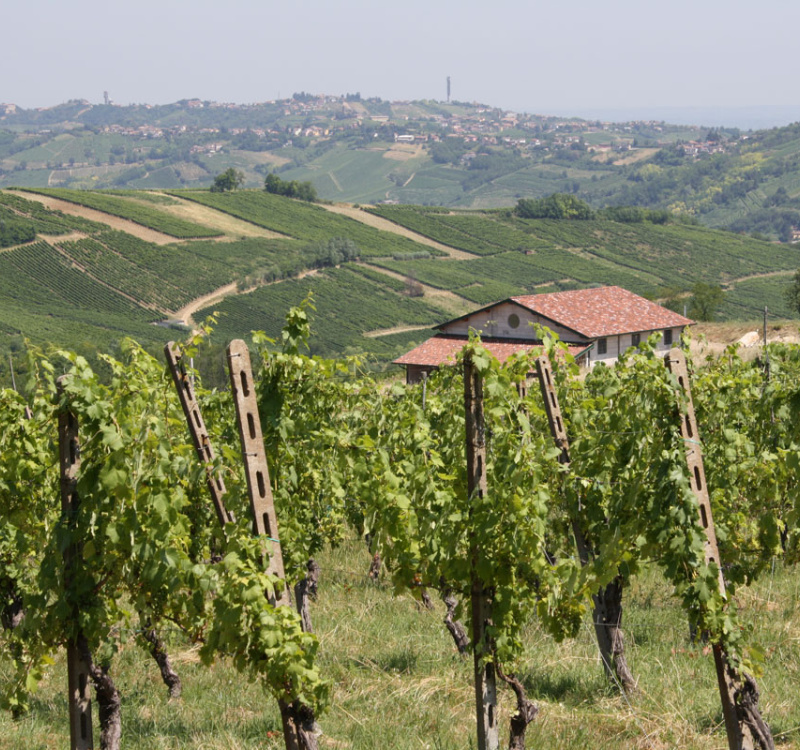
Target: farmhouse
{"x": 597, "y": 324}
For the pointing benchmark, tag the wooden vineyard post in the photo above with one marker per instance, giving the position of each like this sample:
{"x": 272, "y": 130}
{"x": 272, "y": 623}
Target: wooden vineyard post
{"x": 78, "y": 677}
{"x": 297, "y": 720}
{"x": 197, "y": 428}
{"x": 551, "y": 406}
{"x": 607, "y": 613}
{"x": 259, "y": 489}
{"x": 485, "y": 678}
{"x": 743, "y": 723}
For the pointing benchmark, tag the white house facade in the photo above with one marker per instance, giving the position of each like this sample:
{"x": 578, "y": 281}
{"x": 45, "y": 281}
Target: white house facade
{"x": 598, "y": 325}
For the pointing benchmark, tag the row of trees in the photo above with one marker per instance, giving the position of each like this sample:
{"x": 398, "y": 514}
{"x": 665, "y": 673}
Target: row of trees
{"x": 305, "y": 191}
{"x": 232, "y": 179}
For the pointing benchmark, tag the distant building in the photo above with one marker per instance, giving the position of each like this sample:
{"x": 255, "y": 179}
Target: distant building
{"x": 597, "y": 325}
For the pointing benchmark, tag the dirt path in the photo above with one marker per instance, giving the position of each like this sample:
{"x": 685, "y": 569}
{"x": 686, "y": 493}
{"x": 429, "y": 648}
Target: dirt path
{"x": 137, "y": 230}
{"x": 397, "y": 329}
{"x": 365, "y": 217}
{"x": 51, "y": 239}
{"x": 186, "y": 312}
{"x": 765, "y": 275}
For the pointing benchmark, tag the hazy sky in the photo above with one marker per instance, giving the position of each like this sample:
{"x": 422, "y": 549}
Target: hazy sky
{"x": 549, "y": 57}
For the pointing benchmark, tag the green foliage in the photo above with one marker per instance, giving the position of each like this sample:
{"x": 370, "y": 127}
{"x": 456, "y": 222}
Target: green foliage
{"x": 348, "y": 305}
{"x": 305, "y": 191}
{"x": 793, "y": 293}
{"x": 480, "y": 234}
{"x": 141, "y": 534}
{"x": 635, "y": 215}
{"x": 15, "y": 232}
{"x": 555, "y": 206}
{"x": 44, "y": 220}
{"x": 706, "y": 300}
{"x": 345, "y": 451}
{"x": 228, "y": 181}
{"x": 311, "y": 411}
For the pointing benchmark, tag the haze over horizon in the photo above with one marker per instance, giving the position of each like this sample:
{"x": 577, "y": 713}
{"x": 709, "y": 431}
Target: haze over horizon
{"x": 708, "y": 57}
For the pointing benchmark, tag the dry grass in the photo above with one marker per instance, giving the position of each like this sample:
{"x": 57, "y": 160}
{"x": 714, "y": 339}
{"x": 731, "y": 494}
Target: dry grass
{"x": 399, "y": 683}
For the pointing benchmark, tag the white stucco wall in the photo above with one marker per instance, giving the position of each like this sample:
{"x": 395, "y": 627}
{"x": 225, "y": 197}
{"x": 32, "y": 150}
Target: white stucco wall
{"x": 615, "y": 345}
{"x": 494, "y": 322}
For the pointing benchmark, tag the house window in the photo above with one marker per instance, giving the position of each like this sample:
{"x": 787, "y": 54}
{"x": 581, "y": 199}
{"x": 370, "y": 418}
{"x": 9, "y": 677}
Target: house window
{"x": 635, "y": 339}
{"x": 513, "y": 320}
{"x": 602, "y": 346}
{"x": 668, "y": 337}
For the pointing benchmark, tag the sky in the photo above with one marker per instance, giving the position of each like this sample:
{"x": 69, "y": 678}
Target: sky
{"x": 539, "y": 57}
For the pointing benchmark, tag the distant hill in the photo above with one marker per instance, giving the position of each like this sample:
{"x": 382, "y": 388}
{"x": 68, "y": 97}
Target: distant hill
{"x": 149, "y": 264}
{"x": 456, "y": 154}
{"x": 369, "y": 151}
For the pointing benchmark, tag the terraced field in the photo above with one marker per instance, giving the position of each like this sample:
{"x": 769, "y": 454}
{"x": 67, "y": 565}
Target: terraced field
{"x": 83, "y": 284}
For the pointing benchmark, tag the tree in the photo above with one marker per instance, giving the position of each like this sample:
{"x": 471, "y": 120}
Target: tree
{"x": 305, "y": 191}
{"x": 793, "y": 293}
{"x": 706, "y": 299}
{"x": 555, "y": 206}
{"x": 228, "y": 181}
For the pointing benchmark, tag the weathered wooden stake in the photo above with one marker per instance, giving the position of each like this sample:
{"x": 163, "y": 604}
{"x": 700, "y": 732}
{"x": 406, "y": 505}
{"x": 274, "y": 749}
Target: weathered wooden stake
{"x": 485, "y": 679}
{"x": 607, "y": 612}
{"x": 298, "y": 720}
{"x": 78, "y": 677}
{"x": 738, "y": 691}
{"x": 202, "y": 444}
{"x": 259, "y": 488}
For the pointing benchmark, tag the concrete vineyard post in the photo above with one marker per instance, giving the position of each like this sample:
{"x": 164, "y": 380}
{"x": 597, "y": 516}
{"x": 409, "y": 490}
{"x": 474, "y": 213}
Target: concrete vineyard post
{"x": 262, "y": 506}
{"x": 745, "y": 728}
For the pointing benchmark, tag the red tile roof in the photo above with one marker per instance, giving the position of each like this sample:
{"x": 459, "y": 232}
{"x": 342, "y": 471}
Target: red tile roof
{"x": 605, "y": 311}
{"x": 442, "y": 350}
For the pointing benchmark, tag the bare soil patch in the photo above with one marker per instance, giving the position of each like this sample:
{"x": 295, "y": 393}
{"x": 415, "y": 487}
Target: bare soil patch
{"x": 262, "y": 157}
{"x": 123, "y": 225}
{"x": 711, "y": 339}
{"x": 365, "y": 217}
{"x": 638, "y": 155}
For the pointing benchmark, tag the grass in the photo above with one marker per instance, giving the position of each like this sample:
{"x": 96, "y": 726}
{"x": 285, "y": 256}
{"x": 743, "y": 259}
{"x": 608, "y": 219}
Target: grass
{"x": 398, "y": 682}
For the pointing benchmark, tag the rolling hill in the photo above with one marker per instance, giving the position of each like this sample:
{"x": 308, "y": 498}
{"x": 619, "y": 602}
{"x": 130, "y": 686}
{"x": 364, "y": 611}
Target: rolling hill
{"x": 149, "y": 264}
{"x": 457, "y": 154}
